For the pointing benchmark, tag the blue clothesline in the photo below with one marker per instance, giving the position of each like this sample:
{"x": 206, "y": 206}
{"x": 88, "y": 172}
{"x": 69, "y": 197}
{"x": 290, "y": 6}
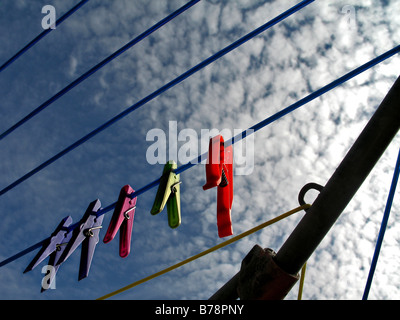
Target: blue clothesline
{"x": 237, "y": 138}
{"x": 98, "y": 66}
{"x": 161, "y": 90}
{"x": 41, "y": 36}
{"x": 383, "y": 228}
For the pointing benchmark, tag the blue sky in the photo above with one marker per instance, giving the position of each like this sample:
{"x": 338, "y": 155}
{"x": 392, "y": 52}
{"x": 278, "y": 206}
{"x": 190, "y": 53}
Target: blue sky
{"x": 277, "y": 68}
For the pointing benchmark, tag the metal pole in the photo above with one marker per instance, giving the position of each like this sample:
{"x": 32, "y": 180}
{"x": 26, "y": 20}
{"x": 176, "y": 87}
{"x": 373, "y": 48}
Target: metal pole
{"x": 228, "y": 291}
{"x": 344, "y": 183}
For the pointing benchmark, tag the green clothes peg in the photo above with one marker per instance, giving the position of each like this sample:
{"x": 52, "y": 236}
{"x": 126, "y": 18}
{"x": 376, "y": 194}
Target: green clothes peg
{"x": 169, "y": 193}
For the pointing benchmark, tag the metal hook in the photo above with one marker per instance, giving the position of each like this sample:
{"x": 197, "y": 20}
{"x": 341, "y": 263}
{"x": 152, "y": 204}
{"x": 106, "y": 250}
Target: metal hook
{"x": 307, "y": 188}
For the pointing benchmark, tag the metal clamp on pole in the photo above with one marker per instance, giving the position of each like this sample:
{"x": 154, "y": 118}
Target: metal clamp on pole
{"x": 260, "y": 278}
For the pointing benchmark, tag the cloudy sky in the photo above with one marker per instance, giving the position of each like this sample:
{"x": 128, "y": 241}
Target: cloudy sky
{"x": 320, "y": 43}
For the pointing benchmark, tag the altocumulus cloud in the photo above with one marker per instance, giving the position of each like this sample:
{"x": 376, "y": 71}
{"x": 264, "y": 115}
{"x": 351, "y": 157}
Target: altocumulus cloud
{"x": 282, "y": 65}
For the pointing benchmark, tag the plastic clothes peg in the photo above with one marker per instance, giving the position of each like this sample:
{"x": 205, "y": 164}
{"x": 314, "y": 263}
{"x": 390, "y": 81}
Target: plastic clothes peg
{"x": 52, "y": 268}
{"x": 168, "y": 193}
{"x": 51, "y": 244}
{"x": 80, "y": 233}
{"x": 122, "y": 218}
{"x": 219, "y": 173}
{"x": 215, "y": 163}
{"x": 225, "y": 197}
{"x": 88, "y": 247}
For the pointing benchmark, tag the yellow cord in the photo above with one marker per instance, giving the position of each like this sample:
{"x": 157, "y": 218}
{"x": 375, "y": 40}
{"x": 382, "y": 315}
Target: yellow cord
{"x": 219, "y": 246}
{"x": 303, "y": 274}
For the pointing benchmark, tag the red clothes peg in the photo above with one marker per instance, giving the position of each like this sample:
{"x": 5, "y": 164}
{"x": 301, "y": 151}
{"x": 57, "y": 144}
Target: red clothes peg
{"x": 219, "y": 173}
{"x": 123, "y": 215}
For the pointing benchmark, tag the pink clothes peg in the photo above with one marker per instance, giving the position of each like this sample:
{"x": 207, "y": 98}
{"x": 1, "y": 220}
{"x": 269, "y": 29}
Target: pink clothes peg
{"x": 122, "y": 218}
{"x": 219, "y": 173}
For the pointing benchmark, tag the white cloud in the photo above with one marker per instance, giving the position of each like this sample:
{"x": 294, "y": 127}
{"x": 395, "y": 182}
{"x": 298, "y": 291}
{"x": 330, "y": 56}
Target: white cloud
{"x": 263, "y": 76}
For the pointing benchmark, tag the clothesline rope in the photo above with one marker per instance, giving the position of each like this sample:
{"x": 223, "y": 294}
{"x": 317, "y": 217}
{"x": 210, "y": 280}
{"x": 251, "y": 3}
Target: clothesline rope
{"x": 41, "y": 36}
{"x": 159, "y": 91}
{"x": 273, "y": 118}
{"x": 98, "y": 66}
{"x": 382, "y": 230}
{"x": 232, "y": 141}
{"x": 301, "y": 284}
{"x": 202, "y": 254}
{"x": 258, "y": 126}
